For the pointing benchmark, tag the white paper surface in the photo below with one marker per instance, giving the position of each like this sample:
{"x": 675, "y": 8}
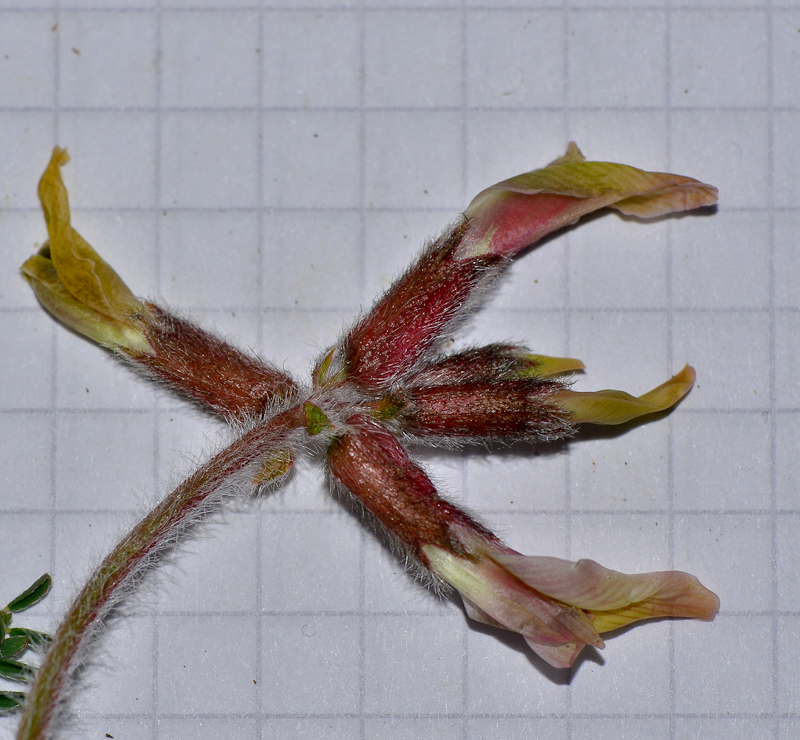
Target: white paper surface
{"x": 267, "y": 168}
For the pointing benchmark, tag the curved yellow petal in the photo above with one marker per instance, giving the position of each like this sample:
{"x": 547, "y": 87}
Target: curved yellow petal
{"x": 55, "y": 297}
{"x": 546, "y": 367}
{"x": 618, "y": 407}
{"x": 86, "y": 275}
{"x": 630, "y": 187}
{"x": 512, "y": 214}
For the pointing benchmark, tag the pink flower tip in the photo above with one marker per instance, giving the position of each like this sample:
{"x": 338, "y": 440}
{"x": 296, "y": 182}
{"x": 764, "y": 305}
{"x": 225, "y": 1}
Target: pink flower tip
{"x": 513, "y": 214}
{"x": 560, "y": 606}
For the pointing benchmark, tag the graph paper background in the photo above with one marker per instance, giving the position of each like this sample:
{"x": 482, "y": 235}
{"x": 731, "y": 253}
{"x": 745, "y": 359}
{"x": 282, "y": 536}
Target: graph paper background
{"x": 267, "y": 168}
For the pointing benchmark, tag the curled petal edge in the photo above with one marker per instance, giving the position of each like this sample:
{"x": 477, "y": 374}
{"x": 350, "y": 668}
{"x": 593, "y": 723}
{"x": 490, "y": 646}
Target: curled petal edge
{"x": 515, "y": 213}
{"x": 560, "y": 606}
{"x": 73, "y": 282}
{"x": 618, "y": 407}
{"x": 615, "y": 599}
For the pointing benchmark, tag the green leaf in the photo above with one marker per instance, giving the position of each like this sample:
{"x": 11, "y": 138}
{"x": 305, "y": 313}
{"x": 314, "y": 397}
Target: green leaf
{"x": 38, "y": 640}
{"x": 11, "y": 700}
{"x": 16, "y": 671}
{"x": 13, "y": 646}
{"x": 33, "y": 595}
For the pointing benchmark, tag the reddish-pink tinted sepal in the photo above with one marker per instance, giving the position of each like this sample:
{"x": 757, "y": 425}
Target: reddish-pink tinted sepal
{"x": 509, "y": 410}
{"x": 407, "y": 321}
{"x": 377, "y": 470}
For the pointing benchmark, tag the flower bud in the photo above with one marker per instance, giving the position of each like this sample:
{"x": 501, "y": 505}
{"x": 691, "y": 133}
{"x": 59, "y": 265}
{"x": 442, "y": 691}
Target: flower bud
{"x": 556, "y": 605}
{"x": 81, "y": 289}
{"x": 501, "y": 392}
{"x": 274, "y": 466}
{"x": 508, "y": 410}
{"x": 492, "y": 362}
{"x": 559, "y": 606}
{"x": 371, "y": 464}
{"x": 73, "y": 282}
{"x": 205, "y": 369}
{"x": 513, "y": 214}
{"x": 389, "y": 342}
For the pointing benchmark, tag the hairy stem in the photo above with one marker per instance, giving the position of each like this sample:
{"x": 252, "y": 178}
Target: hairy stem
{"x": 137, "y": 550}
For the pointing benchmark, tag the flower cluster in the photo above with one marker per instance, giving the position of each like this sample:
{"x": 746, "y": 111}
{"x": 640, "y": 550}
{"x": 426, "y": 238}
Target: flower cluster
{"x": 387, "y": 383}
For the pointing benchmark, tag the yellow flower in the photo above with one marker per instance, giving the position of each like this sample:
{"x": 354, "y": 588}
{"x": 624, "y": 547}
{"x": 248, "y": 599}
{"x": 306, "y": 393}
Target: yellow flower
{"x": 619, "y": 407}
{"x": 73, "y": 282}
{"x": 513, "y": 214}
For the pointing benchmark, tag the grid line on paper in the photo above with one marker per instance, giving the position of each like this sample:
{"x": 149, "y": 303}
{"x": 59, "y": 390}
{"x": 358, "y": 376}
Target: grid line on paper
{"x": 260, "y": 324}
{"x": 428, "y": 9}
{"x": 577, "y": 108}
{"x": 334, "y": 209}
{"x": 53, "y": 513}
{"x": 567, "y": 326}
{"x": 668, "y": 103}
{"x": 453, "y": 715}
{"x": 772, "y": 381}
{"x": 555, "y": 511}
{"x": 157, "y": 410}
{"x": 543, "y": 311}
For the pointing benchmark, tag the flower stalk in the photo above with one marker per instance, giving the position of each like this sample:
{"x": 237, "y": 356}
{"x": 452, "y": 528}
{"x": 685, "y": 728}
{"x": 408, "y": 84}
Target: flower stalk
{"x": 139, "y": 549}
{"x": 383, "y": 384}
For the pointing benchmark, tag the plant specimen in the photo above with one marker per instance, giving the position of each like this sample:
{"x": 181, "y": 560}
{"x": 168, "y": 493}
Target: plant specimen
{"x": 384, "y": 384}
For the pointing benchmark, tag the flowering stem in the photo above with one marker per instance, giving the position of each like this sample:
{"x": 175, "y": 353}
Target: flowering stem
{"x": 382, "y": 384}
{"x": 135, "y": 552}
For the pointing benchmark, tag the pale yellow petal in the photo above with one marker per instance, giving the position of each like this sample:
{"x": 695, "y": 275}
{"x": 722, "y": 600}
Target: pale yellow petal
{"x": 545, "y": 367}
{"x": 55, "y": 297}
{"x": 673, "y": 199}
{"x": 613, "y": 598}
{"x": 86, "y": 275}
{"x": 618, "y": 407}
{"x": 607, "y": 181}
